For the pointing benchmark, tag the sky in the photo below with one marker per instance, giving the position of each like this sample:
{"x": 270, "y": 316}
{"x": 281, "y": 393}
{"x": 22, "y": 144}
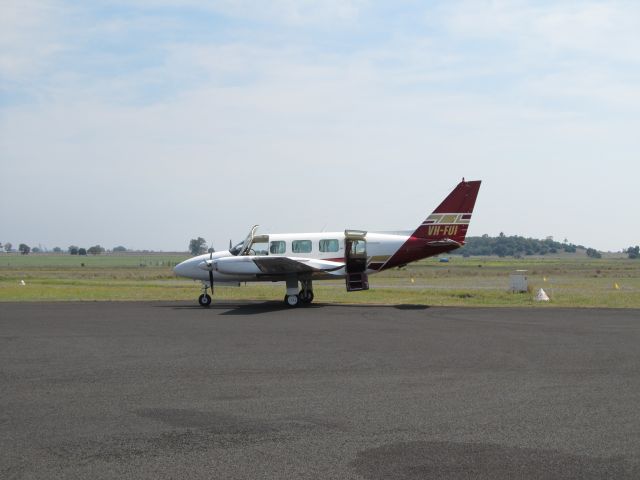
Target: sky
{"x": 147, "y": 123}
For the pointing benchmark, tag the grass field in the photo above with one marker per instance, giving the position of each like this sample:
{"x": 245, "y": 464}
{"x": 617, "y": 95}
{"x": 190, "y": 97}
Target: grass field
{"x": 569, "y": 281}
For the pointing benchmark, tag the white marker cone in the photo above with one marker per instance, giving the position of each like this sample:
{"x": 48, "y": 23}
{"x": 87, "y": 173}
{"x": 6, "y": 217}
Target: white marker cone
{"x": 542, "y": 296}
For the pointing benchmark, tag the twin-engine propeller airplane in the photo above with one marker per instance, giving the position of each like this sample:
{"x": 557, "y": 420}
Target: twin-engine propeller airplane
{"x": 301, "y": 258}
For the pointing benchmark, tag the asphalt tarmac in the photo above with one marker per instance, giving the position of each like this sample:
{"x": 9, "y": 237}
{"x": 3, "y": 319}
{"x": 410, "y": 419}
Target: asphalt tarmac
{"x": 171, "y": 390}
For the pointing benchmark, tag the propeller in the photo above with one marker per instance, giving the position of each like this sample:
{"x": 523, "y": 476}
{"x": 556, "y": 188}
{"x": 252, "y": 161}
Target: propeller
{"x": 211, "y": 269}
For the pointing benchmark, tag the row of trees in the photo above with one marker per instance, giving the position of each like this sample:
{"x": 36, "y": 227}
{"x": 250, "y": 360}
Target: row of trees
{"x": 95, "y": 250}
{"x": 514, "y": 246}
{"x": 25, "y": 249}
{"x": 197, "y": 246}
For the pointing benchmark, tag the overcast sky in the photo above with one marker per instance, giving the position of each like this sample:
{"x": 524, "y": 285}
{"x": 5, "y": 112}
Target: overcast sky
{"x": 147, "y": 123}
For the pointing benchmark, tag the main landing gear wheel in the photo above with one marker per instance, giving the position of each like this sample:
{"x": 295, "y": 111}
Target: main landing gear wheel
{"x": 306, "y": 296}
{"x": 204, "y": 300}
{"x": 291, "y": 300}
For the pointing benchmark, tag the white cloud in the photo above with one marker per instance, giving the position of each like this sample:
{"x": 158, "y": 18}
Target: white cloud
{"x": 295, "y": 13}
{"x": 604, "y": 30}
{"x": 28, "y": 38}
{"x": 245, "y": 130}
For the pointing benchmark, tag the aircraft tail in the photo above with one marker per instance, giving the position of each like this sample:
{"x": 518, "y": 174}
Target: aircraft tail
{"x": 449, "y": 222}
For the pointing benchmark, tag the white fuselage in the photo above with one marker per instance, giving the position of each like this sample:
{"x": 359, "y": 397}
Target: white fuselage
{"x": 322, "y": 247}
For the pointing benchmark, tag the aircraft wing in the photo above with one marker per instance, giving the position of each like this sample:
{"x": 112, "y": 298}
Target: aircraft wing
{"x": 284, "y": 265}
{"x": 264, "y": 265}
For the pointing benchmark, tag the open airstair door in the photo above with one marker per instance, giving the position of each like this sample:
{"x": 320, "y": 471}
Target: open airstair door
{"x": 355, "y": 253}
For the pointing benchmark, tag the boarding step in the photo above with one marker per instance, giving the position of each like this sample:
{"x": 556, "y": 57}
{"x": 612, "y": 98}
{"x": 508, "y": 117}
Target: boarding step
{"x": 357, "y": 282}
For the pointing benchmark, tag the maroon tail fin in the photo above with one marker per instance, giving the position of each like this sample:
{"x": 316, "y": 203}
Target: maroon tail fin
{"x": 450, "y": 220}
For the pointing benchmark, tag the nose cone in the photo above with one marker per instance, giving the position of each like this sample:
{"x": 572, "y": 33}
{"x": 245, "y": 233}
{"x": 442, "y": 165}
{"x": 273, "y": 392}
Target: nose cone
{"x": 184, "y": 269}
{"x": 178, "y": 269}
{"x": 198, "y": 267}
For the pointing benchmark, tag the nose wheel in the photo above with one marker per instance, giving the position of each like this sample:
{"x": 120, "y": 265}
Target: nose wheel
{"x": 205, "y": 299}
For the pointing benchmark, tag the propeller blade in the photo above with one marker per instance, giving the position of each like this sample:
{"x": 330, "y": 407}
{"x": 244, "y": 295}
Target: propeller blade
{"x": 211, "y": 269}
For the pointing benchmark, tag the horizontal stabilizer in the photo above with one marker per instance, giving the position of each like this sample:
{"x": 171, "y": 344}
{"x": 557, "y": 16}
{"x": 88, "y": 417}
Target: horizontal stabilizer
{"x": 445, "y": 242}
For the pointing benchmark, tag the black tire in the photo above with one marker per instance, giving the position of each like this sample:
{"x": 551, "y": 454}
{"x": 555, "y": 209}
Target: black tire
{"x": 291, "y": 300}
{"x": 204, "y": 300}
{"x": 306, "y": 296}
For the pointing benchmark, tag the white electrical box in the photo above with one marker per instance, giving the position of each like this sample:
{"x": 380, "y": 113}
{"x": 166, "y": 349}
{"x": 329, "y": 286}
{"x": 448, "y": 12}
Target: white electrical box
{"x": 519, "y": 281}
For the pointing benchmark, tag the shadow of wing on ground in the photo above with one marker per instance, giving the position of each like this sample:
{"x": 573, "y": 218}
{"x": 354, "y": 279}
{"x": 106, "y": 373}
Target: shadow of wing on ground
{"x": 257, "y": 307}
{"x": 228, "y": 308}
{"x": 274, "y": 306}
{"x": 411, "y": 307}
{"x": 420, "y": 460}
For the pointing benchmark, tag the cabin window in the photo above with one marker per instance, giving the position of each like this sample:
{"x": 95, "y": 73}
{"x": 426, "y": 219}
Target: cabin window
{"x": 301, "y": 246}
{"x": 329, "y": 245}
{"x": 277, "y": 247}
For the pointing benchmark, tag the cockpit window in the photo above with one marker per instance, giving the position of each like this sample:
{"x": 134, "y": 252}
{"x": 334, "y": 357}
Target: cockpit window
{"x": 236, "y": 250}
{"x": 277, "y": 247}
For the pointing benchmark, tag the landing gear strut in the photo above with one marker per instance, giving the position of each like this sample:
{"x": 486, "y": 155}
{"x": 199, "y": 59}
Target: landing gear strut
{"x": 306, "y": 292}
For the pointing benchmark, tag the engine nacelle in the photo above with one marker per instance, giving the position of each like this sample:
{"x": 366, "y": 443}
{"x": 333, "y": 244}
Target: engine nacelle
{"x": 236, "y": 266}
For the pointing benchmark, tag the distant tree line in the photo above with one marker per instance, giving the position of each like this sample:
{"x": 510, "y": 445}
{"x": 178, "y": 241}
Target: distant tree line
{"x": 516, "y": 246}
{"x": 25, "y": 249}
{"x": 593, "y": 253}
{"x": 633, "y": 252}
{"x": 95, "y": 250}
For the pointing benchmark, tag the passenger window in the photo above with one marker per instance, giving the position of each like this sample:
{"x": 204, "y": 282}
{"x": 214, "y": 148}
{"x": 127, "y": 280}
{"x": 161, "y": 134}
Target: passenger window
{"x": 277, "y": 247}
{"x": 301, "y": 246}
{"x": 329, "y": 245}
